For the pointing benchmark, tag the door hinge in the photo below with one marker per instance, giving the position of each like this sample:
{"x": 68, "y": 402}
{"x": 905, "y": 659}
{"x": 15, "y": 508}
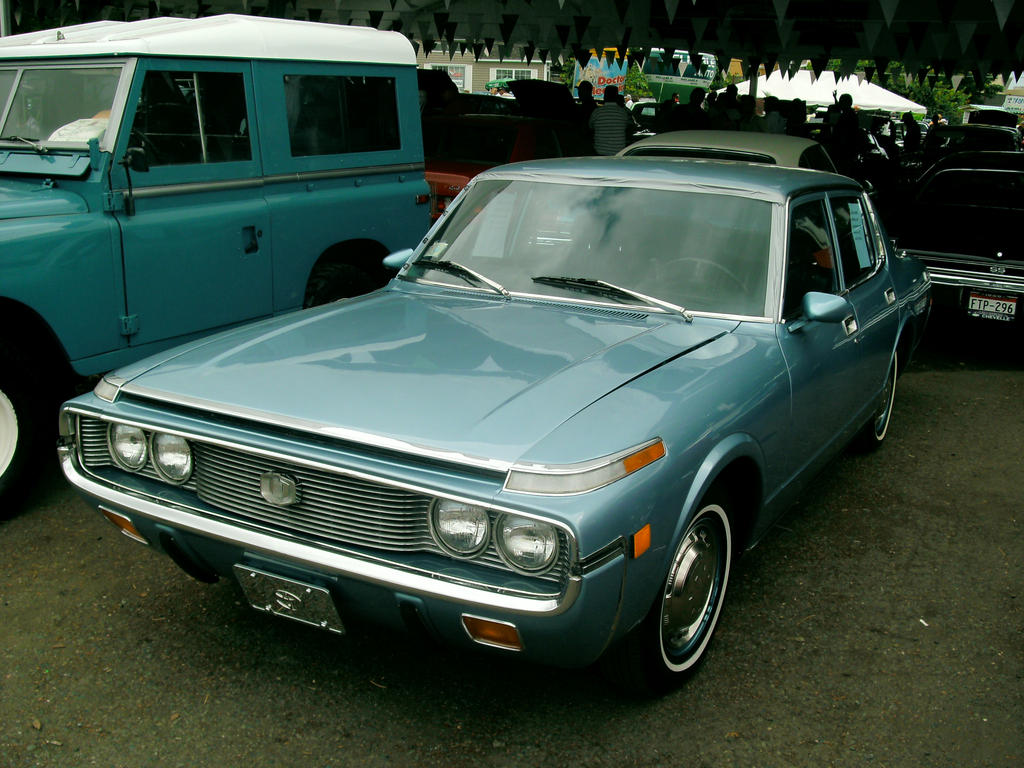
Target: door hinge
{"x": 111, "y": 201}
{"x": 129, "y": 325}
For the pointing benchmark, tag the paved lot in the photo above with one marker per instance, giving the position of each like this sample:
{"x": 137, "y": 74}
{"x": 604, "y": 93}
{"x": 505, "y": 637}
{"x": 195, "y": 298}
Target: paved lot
{"x": 881, "y": 623}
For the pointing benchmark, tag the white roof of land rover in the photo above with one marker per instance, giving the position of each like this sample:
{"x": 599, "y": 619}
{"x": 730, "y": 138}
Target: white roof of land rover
{"x": 227, "y": 36}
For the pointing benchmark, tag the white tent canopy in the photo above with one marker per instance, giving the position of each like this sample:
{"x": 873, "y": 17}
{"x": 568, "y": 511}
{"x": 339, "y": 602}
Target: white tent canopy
{"x": 825, "y": 89}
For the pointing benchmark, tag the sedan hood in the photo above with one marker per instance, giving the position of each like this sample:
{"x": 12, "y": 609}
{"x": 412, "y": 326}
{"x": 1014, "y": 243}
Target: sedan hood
{"x": 475, "y": 380}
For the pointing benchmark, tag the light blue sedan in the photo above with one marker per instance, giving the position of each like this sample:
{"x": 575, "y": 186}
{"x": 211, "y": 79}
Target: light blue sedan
{"x": 591, "y": 387}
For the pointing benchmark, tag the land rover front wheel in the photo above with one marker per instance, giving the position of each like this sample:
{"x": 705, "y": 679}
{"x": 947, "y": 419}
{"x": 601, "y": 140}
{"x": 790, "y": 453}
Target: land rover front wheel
{"x": 17, "y": 425}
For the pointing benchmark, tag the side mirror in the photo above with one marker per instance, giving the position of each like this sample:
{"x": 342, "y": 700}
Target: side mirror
{"x": 826, "y": 307}
{"x": 135, "y": 159}
{"x": 395, "y": 261}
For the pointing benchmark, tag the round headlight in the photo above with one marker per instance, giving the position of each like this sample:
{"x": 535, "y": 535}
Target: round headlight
{"x": 462, "y": 529}
{"x": 172, "y": 457}
{"x": 529, "y": 545}
{"x": 127, "y": 446}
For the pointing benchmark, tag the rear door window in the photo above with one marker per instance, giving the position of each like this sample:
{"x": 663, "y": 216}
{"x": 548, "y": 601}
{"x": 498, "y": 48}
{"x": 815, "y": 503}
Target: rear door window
{"x": 339, "y": 114}
{"x": 853, "y": 236}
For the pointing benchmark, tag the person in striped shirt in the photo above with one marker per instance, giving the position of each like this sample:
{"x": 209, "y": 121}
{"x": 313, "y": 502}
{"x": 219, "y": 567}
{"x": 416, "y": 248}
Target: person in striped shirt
{"x": 611, "y": 124}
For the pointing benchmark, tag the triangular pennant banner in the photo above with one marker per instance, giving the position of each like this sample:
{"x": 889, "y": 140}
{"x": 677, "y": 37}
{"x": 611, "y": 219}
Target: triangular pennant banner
{"x": 621, "y": 6}
{"x": 563, "y": 34}
{"x": 671, "y": 6}
{"x": 965, "y": 31}
{"x": 700, "y": 26}
{"x": 1003, "y": 8}
{"x": 375, "y": 18}
{"x": 528, "y": 50}
{"x": 478, "y": 49}
{"x": 956, "y": 80}
{"x": 581, "y": 23}
{"x": 508, "y": 24}
{"x": 780, "y": 8}
{"x": 440, "y": 19}
{"x": 871, "y": 32}
{"x": 869, "y": 73}
{"x": 889, "y": 10}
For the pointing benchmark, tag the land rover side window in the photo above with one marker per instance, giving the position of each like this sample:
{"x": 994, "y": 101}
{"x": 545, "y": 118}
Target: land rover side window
{"x": 70, "y": 104}
{"x": 811, "y": 265}
{"x": 192, "y": 117}
{"x": 329, "y": 115}
{"x": 856, "y": 253}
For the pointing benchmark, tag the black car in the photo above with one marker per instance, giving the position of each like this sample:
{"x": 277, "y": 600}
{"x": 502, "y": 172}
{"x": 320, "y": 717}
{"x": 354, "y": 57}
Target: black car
{"x": 964, "y": 222}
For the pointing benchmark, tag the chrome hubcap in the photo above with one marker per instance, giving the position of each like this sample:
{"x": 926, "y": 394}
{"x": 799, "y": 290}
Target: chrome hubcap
{"x": 691, "y": 587}
{"x": 882, "y": 420}
{"x": 8, "y": 432}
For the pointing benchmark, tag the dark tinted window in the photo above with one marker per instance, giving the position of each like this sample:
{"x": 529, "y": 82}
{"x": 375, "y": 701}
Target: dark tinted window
{"x": 992, "y": 189}
{"x": 853, "y": 237}
{"x": 817, "y": 159}
{"x": 330, "y": 115}
{"x": 192, "y": 117}
{"x": 810, "y": 262}
{"x": 469, "y": 142}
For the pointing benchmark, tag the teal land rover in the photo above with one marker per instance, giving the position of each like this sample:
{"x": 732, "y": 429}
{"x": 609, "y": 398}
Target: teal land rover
{"x": 165, "y": 178}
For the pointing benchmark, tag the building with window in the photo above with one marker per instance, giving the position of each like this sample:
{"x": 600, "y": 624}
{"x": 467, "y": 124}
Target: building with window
{"x": 472, "y": 75}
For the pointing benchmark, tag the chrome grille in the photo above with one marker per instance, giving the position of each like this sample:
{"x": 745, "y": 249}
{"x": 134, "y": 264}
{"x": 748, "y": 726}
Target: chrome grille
{"x": 334, "y": 508}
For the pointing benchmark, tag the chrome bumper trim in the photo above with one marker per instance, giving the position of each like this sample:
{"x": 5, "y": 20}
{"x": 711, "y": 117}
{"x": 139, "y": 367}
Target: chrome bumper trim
{"x": 422, "y": 583}
{"x": 964, "y": 279}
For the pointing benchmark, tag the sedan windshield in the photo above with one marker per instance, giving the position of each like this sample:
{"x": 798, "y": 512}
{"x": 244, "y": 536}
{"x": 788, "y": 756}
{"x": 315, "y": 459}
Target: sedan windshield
{"x": 704, "y": 252}
{"x": 57, "y": 104}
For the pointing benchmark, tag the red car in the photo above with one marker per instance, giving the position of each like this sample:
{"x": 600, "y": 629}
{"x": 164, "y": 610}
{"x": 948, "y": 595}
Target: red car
{"x": 458, "y": 147}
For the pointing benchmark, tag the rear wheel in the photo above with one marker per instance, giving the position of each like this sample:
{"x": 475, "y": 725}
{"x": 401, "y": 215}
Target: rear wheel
{"x": 668, "y": 646}
{"x": 334, "y": 280}
{"x": 874, "y": 432}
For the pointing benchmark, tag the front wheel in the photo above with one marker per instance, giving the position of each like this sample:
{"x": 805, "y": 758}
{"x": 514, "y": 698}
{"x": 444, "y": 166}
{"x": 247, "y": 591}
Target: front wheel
{"x": 668, "y": 646}
{"x": 18, "y": 427}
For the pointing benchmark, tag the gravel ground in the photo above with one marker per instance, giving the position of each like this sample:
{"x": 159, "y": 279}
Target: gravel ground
{"x": 880, "y": 624}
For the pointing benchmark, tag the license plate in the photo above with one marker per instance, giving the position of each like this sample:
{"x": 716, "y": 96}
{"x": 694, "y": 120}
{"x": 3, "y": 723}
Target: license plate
{"x": 292, "y": 599}
{"x": 992, "y": 307}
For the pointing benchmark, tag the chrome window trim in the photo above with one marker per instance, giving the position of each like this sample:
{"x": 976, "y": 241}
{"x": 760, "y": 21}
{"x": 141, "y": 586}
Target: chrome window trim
{"x": 299, "y": 177}
{"x": 361, "y": 568}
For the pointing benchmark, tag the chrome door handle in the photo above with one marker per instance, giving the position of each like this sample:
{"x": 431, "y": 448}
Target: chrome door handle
{"x": 850, "y": 325}
{"x": 890, "y": 296}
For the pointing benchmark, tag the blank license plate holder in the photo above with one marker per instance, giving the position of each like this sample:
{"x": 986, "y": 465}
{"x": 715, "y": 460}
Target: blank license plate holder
{"x": 296, "y": 600}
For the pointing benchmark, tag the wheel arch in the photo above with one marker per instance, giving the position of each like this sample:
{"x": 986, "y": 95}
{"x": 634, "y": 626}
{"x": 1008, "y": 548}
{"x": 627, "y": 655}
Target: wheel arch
{"x": 736, "y": 464}
{"x": 364, "y": 253}
{"x": 34, "y": 339}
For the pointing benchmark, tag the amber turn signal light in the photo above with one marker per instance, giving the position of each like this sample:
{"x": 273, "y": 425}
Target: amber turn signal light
{"x": 641, "y": 541}
{"x": 124, "y": 525}
{"x": 500, "y": 634}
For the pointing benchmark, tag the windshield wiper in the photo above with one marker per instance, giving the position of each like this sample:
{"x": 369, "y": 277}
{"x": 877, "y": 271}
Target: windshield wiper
{"x": 37, "y": 146}
{"x": 590, "y": 285}
{"x": 460, "y": 270}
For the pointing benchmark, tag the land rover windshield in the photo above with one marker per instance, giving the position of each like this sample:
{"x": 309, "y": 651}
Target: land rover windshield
{"x": 56, "y": 104}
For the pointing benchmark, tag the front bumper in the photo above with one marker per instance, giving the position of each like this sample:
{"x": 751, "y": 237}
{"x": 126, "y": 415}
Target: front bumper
{"x": 568, "y": 629}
